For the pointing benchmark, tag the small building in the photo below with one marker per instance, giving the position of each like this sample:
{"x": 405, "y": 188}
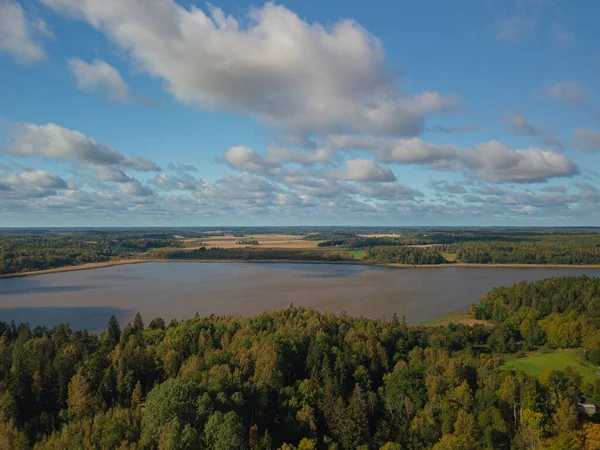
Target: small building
{"x": 586, "y": 407}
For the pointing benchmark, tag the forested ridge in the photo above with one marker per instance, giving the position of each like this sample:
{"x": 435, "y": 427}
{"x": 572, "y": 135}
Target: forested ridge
{"x": 297, "y": 378}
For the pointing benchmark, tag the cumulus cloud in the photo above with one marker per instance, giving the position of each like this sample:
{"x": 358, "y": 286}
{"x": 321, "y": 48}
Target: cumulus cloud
{"x": 135, "y": 188}
{"x": 387, "y": 191}
{"x": 20, "y": 35}
{"x": 464, "y": 128}
{"x": 491, "y": 161}
{"x": 99, "y": 76}
{"x": 182, "y": 182}
{"x": 568, "y": 92}
{"x": 55, "y": 142}
{"x": 34, "y": 178}
{"x": 104, "y": 173}
{"x": 588, "y": 140}
{"x": 444, "y": 187}
{"x": 303, "y": 77}
{"x": 363, "y": 170}
{"x": 520, "y": 125}
{"x": 240, "y": 157}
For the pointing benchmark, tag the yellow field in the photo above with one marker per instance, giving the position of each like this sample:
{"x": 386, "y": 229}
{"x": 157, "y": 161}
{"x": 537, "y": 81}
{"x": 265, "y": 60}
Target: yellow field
{"x": 281, "y": 241}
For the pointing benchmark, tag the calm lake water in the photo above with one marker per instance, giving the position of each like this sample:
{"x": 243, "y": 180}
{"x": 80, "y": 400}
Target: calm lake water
{"x": 86, "y": 299}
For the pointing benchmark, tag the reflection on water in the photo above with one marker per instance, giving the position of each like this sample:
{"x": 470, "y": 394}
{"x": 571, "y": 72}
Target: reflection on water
{"x": 86, "y": 299}
{"x": 92, "y": 318}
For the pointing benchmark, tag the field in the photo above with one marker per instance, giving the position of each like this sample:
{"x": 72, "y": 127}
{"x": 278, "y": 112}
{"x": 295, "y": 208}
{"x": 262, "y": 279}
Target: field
{"x": 358, "y": 254}
{"x": 449, "y": 256}
{"x": 275, "y": 241}
{"x": 536, "y": 364}
{"x": 463, "y": 318}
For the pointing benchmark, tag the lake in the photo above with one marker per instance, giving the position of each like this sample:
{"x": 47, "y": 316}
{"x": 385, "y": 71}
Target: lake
{"x": 87, "y": 298}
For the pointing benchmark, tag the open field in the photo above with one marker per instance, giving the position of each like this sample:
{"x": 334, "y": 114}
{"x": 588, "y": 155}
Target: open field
{"x": 276, "y": 241}
{"x": 449, "y": 256}
{"x": 536, "y": 364}
{"x": 358, "y": 254}
{"x": 462, "y": 318}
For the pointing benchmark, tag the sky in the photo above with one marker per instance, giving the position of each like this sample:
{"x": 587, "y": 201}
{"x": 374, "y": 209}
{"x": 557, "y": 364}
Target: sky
{"x": 345, "y": 112}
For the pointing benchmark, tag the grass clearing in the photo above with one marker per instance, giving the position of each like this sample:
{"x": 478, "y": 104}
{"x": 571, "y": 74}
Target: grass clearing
{"x": 463, "y": 318}
{"x": 449, "y": 256}
{"x": 358, "y": 254}
{"x": 537, "y": 363}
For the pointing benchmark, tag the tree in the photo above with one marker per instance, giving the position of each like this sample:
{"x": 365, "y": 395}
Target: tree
{"x": 81, "y": 400}
{"x": 224, "y": 432}
{"x": 355, "y": 426}
{"x": 113, "y": 332}
{"x": 138, "y": 323}
{"x": 173, "y": 399}
{"x": 566, "y": 418}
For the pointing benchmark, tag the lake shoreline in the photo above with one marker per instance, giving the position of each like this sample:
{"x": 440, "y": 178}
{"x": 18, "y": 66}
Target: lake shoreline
{"x": 104, "y": 264}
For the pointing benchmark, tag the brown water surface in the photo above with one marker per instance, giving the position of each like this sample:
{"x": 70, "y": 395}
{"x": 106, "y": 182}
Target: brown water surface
{"x": 86, "y": 299}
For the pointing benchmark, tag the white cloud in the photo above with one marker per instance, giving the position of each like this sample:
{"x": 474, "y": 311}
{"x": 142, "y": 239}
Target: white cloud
{"x": 588, "y": 140}
{"x": 568, "y": 92}
{"x": 34, "y": 178}
{"x": 243, "y": 158}
{"x": 363, "y": 170}
{"x": 136, "y": 189}
{"x": 100, "y": 76}
{"x": 519, "y": 124}
{"x": 104, "y": 173}
{"x": 20, "y": 35}
{"x": 386, "y": 191}
{"x": 491, "y": 161}
{"x": 305, "y": 78}
{"x": 55, "y": 142}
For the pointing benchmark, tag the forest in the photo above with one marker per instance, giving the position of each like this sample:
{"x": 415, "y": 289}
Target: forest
{"x": 299, "y": 379}
{"x": 244, "y": 254}
{"x": 549, "y": 249}
{"x": 24, "y": 250}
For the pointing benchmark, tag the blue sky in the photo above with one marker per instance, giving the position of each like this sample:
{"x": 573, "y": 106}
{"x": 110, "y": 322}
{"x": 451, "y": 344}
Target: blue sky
{"x": 157, "y": 112}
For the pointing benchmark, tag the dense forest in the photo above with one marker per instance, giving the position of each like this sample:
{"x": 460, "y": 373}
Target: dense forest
{"x": 22, "y": 251}
{"x": 560, "y": 312}
{"x": 298, "y": 379}
{"x": 248, "y": 254}
{"x": 552, "y": 249}
{"x": 405, "y": 255}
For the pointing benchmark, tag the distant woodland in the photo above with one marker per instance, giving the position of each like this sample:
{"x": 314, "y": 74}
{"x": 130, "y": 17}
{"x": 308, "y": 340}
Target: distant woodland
{"x": 30, "y": 250}
{"x": 298, "y": 379}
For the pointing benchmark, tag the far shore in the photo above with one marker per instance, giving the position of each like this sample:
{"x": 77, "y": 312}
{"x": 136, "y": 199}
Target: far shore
{"x": 98, "y": 265}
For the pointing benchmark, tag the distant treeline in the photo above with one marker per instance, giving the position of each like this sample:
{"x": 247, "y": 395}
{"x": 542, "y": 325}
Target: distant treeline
{"x": 553, "y": 249}
{"x": 252, "y": 254}
{"x": 405, "y": 255}
{"x": 20, "y": 252}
